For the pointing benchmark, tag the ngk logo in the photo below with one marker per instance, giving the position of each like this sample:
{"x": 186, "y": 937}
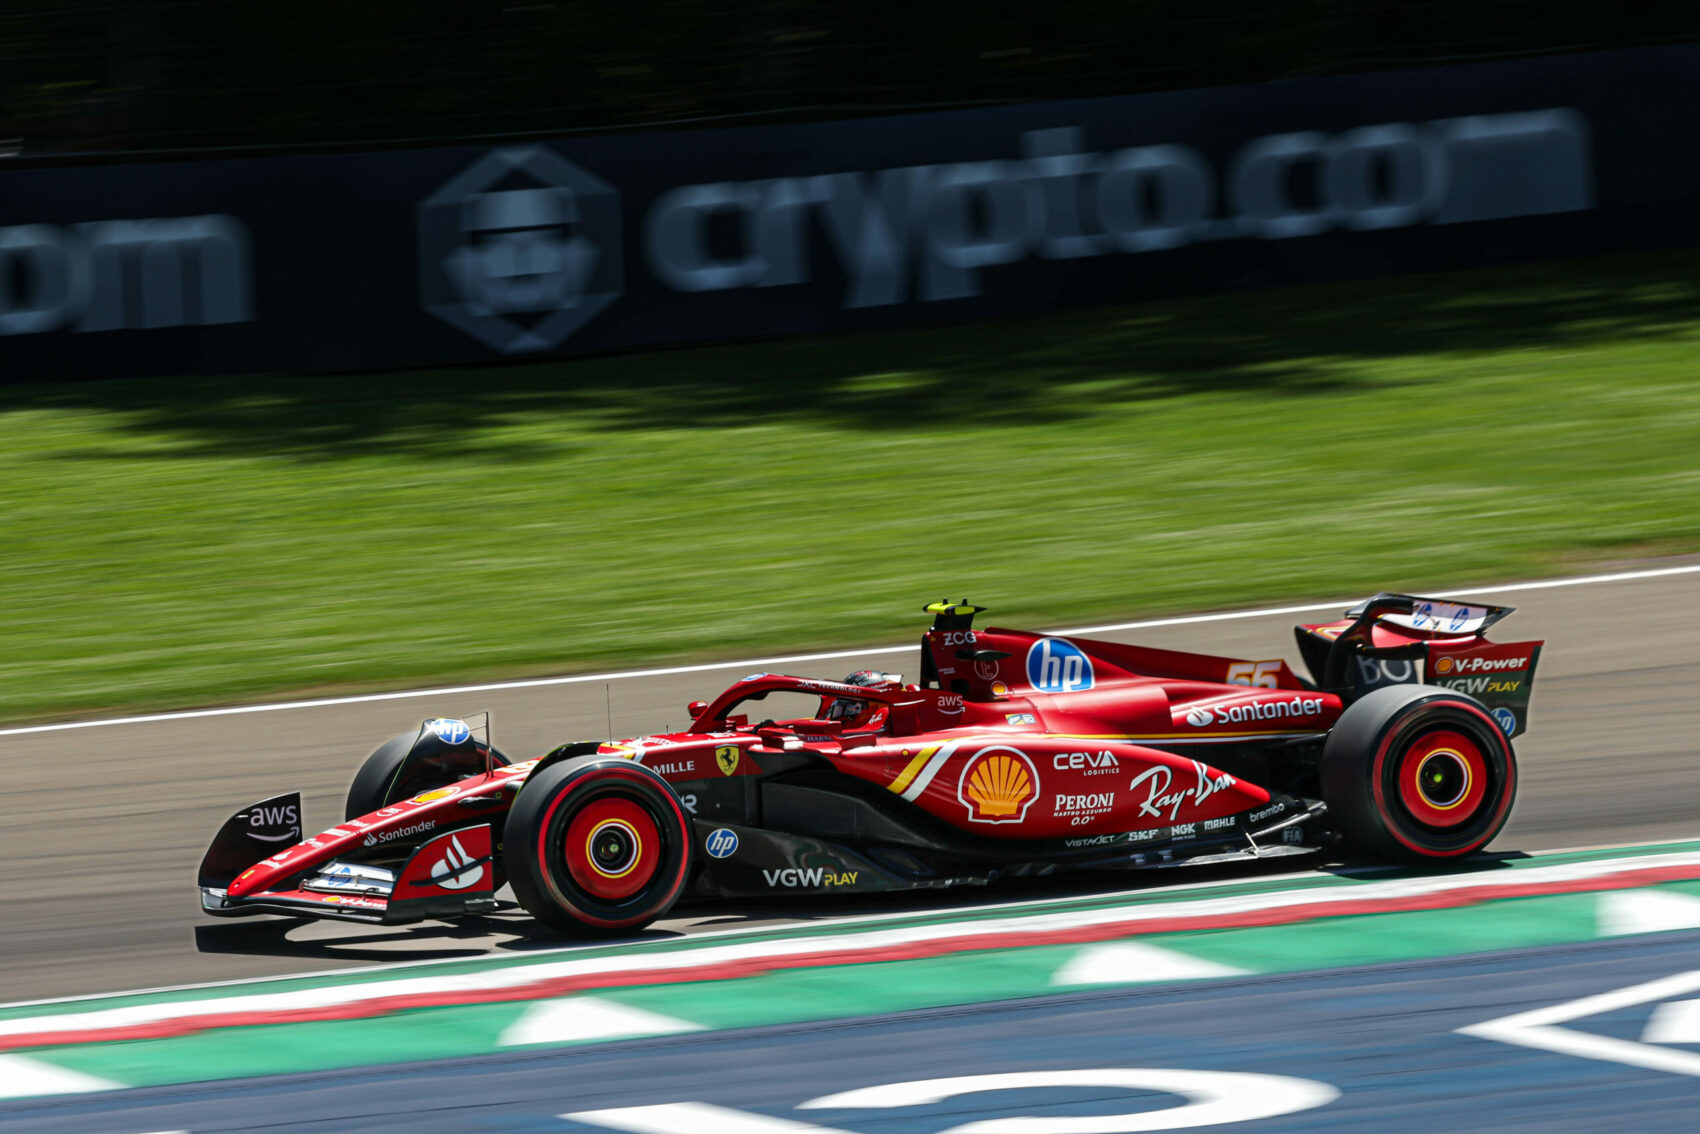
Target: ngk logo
{"x": 1479, "y": 665}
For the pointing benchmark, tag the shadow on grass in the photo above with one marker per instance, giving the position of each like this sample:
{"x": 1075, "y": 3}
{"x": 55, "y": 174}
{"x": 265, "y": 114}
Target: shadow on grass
{"x": 1050, "y": 369}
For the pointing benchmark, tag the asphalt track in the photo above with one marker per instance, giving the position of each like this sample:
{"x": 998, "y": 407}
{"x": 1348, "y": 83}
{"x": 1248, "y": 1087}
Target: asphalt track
{"x": 1377, "y": 1047}
{"x": 103, "y": 826}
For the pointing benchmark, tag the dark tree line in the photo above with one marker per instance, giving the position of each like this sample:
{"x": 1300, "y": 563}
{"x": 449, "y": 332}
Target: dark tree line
{"x": 115, "y": 75}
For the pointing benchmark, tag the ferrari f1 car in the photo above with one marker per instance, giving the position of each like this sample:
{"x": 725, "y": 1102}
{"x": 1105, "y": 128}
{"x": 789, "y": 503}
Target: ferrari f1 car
{"x": 1015, "y": 754}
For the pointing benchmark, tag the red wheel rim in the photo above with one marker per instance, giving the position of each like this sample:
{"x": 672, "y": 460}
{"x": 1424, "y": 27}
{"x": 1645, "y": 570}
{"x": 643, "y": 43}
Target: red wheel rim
{"x": 612, "y": 848}
{"x": 1443, "y": 778}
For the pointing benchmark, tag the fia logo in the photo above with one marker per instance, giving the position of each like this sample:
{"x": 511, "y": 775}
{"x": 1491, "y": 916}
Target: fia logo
{"x": 1058, "y": 666}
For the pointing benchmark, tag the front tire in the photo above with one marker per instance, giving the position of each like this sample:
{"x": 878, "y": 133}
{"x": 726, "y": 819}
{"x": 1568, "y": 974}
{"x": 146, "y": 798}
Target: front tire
{"x": 597, "y": 848}
{"x": 1414, "y": 773}
{"x": 376, "y": 784}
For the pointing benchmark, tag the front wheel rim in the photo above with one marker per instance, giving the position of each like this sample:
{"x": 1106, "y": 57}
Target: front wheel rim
{"x": 612, "y": 848}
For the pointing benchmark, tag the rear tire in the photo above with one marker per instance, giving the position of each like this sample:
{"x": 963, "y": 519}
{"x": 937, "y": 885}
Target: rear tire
{"x": 1415, "y": 773}
{"x": 597, "y": 848}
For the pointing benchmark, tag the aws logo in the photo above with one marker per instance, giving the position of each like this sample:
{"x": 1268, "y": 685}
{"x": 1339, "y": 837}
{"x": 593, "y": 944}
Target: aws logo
{"x": 286, "y": 819}
{"x": 998, "y": 785}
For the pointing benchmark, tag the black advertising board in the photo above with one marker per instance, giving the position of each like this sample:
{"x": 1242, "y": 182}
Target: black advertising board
{"x": 601, "y": 244}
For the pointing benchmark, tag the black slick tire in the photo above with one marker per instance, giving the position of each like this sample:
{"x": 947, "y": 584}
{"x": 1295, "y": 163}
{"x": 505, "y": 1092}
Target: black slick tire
{"x": 597, "y": 846}
{"x": 1417, "y": 773}
{"x": 375, "y": 784}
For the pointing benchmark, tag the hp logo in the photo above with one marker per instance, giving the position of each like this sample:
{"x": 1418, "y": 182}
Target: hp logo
{"x": 449, "y": 731}
{"x": 721, "y": 843}
{"x": 1505, "y": 719}
{"x": 1056, "y": 666}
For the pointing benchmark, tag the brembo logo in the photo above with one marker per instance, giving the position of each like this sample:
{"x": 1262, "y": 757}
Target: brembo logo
{"x": 374, "y": 839}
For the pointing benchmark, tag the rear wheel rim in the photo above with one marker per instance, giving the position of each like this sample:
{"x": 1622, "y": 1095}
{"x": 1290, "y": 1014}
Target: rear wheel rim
{"x": 1443, "y": 779}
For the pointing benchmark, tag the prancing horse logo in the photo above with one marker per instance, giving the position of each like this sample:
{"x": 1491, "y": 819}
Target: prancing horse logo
{"x": 727, "y": 757}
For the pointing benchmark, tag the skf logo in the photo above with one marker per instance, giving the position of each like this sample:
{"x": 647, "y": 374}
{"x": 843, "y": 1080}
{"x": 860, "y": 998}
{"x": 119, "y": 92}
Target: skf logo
{"x": 726, "y": 756}
{"x": 522, "y": 267}
{"x": 998, "y": 785}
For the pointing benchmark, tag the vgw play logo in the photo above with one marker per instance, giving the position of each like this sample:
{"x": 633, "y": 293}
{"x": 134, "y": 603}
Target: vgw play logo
{"x": 1058, "y": 666}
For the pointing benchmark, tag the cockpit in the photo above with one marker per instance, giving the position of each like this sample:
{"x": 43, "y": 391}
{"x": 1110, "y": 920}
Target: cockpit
{"x": 799, "y": 703}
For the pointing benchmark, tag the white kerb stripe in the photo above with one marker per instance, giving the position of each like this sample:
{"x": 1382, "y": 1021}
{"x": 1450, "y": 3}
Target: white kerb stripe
{"x": 999, "y": 929}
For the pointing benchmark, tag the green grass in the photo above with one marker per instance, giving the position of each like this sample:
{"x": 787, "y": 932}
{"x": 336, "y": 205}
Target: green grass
{"x": 196, "y": 540}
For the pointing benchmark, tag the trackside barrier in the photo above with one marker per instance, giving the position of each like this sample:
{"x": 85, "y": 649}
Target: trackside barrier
{"x": 599, "y": 244}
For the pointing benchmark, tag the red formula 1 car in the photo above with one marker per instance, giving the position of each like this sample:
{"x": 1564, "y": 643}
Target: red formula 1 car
{"x": 1015, "y": 754}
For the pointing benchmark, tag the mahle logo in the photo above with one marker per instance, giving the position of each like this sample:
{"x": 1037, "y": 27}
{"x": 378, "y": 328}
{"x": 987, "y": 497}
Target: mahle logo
{"x": 520, "y": 249}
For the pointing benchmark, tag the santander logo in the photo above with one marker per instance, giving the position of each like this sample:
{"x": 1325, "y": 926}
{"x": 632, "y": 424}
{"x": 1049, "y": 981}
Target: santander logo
{"x": 455, "y": 859}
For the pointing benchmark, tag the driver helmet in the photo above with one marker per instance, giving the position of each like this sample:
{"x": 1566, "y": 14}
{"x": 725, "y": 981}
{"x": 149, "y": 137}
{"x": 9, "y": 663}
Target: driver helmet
{"x": 849, "y": 709}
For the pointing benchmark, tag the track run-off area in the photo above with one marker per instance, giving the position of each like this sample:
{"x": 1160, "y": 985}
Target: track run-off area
{"x": 1468, "y": 999}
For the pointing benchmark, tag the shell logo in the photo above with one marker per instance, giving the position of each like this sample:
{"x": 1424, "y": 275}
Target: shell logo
{"x": 998, "y": 785}
{"x": 1443, "y": 665}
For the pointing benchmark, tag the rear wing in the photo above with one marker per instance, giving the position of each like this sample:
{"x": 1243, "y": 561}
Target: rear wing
{"x": 1435, "y": 617}
{"x": 1399, "y": 639}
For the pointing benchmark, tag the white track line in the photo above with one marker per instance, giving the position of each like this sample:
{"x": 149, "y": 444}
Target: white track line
{"x": 1264, "y": 883}
{"x": 998, "y": 932}
{"x": 757, "y": 664}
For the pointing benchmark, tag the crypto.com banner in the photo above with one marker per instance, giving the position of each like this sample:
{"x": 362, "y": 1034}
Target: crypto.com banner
{"x": 612, "y": 243}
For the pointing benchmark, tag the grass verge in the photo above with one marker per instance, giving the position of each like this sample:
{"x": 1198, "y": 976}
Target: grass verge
{"x": 198, "y": 540}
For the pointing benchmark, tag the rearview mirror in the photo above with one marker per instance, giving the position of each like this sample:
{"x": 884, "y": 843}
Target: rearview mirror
{"x": 695, "y": 708}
